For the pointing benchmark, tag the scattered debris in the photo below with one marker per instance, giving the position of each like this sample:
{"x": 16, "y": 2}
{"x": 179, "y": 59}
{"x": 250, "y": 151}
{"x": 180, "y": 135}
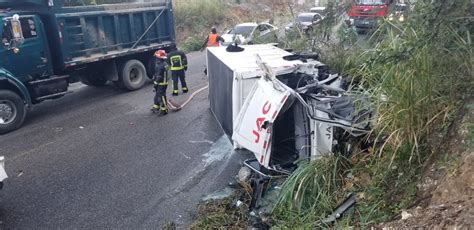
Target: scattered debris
{"x": 203, "y": 141}
{"x": 406, "y": 215}
{"x": 227, "y": 192}
{"x": 244, "y": 174}
{"x": 186, "y": 156}
{"x": 341, "y": 209}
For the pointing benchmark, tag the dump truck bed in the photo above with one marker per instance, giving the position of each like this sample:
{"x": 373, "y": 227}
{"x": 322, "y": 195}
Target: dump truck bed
{"x": 93, "y": 33}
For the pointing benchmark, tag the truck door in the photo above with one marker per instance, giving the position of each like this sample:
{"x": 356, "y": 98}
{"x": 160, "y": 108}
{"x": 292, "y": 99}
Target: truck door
{"x": 253, "y": 128}
{"x": 31, "y": 58}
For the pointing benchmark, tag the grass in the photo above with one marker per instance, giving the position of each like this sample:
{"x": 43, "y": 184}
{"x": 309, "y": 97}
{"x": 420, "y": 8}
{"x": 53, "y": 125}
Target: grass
{"x": 311, "y": 192}
{"x": 224, "y": 214}
{"x": 415, "y": 74}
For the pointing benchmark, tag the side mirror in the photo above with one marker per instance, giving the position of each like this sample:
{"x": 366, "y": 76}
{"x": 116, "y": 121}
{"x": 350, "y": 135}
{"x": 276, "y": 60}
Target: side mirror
{"x": 14, "y": 33}
{"x": 17, "y": 32}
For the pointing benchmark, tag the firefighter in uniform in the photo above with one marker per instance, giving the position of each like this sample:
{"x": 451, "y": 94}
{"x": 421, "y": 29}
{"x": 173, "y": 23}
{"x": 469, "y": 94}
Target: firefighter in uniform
{"x": 178, "y": 64}
{"x": 160, "y": 82}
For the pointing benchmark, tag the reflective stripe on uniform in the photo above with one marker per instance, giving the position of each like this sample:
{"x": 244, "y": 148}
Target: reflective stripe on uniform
{"x": 176, "y": 63}
{"x": 164, "y": 103}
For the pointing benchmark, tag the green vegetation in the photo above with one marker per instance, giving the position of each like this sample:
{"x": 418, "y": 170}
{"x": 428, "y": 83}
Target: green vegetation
{"x": 416, "y": 73}
{"x": 311, "y": 192}
{"x": 225, "y": 214}
{"x": 193, "y": 21}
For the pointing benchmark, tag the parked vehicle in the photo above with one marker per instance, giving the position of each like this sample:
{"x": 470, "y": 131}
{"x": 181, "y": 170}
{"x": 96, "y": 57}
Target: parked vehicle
{"x": 320, "y": 10}
{"x": 251, "y": 33}
{"x": 306, "y": 21}
{"x": 400, "y": 13}
{"x": 46, "y": 46}
{"x": 364, "y": 14}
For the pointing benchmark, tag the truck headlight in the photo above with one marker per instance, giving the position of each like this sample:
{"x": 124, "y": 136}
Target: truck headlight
{"x": 390, "y": 17}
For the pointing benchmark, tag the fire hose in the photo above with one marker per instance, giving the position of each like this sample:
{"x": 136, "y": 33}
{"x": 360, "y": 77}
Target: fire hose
{"x": 174, "y": 106}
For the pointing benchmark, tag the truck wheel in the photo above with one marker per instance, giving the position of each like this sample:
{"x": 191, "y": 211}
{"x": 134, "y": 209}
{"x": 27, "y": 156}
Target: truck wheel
{"x": 12, "y": 111}
{"x": 133, "y": 74}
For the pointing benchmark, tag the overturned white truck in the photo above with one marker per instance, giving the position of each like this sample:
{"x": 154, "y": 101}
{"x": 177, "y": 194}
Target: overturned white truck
{"x": 283, "y": 107}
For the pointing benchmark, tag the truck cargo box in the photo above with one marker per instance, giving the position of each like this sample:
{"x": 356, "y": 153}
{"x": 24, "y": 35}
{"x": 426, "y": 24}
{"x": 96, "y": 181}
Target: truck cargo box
{"x": 233, "y": 74}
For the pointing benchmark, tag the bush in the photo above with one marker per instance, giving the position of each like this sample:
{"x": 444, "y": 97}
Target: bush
{"x": 199, "y": 15}
{"x": 193, "y": 43}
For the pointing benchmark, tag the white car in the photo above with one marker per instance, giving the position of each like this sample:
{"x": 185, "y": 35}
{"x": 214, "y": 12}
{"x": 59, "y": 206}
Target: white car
{"x": 251, "y": 33}
{"x": 319, "y": 9}
{"x": 306, "y": 21}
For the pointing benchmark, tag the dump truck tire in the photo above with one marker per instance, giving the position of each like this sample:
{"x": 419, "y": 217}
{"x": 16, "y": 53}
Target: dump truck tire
{"x": 12, "y": 111}
{"x": 133, "y": 74}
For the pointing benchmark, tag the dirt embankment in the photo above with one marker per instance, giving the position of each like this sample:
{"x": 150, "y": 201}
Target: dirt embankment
{"x": 446, "y": 197}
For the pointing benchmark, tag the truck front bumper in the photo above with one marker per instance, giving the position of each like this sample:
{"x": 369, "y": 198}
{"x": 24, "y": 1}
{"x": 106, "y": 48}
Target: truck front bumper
{"x": 365, "y": 22}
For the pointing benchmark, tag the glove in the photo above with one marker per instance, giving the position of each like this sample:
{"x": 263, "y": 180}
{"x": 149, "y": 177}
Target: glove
{"x": 185, "y": 68}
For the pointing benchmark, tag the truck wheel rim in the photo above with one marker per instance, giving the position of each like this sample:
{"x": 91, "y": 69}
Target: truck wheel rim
{"x": 134, "y": 75}
{"x": 7, "y": 112}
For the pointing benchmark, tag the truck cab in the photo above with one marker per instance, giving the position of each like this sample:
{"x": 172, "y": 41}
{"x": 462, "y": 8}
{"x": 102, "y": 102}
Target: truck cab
{"x": 364, "y": 14}
{"x": 27, "y": 56}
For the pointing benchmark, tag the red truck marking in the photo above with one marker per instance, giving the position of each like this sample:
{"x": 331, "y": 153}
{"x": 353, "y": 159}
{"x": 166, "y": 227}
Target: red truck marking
{"x": 259, "y": 121}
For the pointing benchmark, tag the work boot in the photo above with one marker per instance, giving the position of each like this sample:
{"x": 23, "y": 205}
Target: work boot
{"x": 163, "y": 112}
{"x": 185, "y": 89}
{"x": 155, "y": 108}
{"x": 175, "y": 92}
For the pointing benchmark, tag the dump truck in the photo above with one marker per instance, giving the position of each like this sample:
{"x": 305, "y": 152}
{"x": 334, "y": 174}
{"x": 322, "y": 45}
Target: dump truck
{"x": 46, "y": 46}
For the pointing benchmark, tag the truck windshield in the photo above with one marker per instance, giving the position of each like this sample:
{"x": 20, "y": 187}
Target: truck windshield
{"x": 305, "y": 18}
{"x": 371, "y": 2}
{"x": 242, "y": 30}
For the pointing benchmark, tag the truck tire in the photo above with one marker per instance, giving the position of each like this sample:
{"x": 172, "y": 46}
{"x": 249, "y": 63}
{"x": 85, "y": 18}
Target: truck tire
{"x": 12, "y": 111}
{"x": 133, "y": 74}
{"x": 94, "y": 80}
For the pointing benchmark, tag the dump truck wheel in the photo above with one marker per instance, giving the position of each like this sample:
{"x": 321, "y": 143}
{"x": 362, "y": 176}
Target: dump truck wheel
{"x": 12, "y": 111}
{"x": 133, "y": 74}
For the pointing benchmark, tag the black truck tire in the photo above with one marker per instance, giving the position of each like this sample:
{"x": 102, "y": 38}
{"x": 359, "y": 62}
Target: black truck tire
{"x": 133, "y": 74}
{"x": 12, "y": 111}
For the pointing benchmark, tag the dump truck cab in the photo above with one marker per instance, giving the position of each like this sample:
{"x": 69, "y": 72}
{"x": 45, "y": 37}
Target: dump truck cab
{"x": 24, "y": 51}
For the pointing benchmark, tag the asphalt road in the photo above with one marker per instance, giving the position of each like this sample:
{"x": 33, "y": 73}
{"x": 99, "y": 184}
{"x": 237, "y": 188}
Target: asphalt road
{"x": 97, "y": 158}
